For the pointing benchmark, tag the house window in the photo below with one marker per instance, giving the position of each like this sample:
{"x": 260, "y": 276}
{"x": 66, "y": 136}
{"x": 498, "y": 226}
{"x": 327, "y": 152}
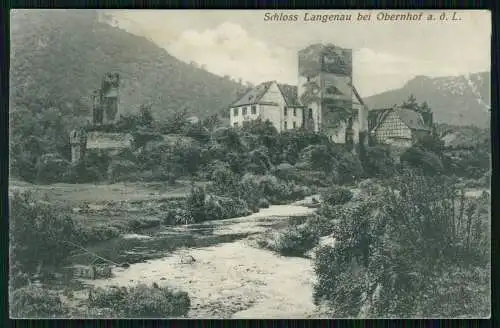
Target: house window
{"x": 244, "y": 111}
{"x": 294, "y": 125}
{"x": 285, "y": 111}
{"x": 254, "y": 109}
{"x": 235, "y": 124}
{"x": 235, "y": 111}
{"x": 308, "y": 79}
{"x": 295, "y": 112}
{"x": 286, "y": 126}
{"x": 310, "y": 113}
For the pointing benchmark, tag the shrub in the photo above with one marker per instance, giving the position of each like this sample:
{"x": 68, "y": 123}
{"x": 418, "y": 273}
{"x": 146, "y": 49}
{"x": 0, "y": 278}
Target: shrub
{"x": 422, "y": 159}
{"x": 336, "y": 195}
{"x": 219, "y": 208}
{"x": 195, "y": 205}
{"x": 143, "y": 223}
{"x": 370, "y": 188}
{"x": 147, "y": 302}
{"x": 394, "y": 255}
{"x": 120, "y": 170}
{"x": 99, "y": 233}
{"x": 142, "y": 301}
{"x": 296, "y": 240}
{"x": 51, "y": 168}
{"x": 38, "y": 231}
{"x": 35, "y": 302}
{"x": 263, "y": 203}
{"x": 110, "y": 297}
{"x": 378, "y": 161}
{"x": 176, "y": 216}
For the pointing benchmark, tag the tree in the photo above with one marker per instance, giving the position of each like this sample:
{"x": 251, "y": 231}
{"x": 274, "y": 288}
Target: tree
{"x": 411, "y": 103}
{"x": 145, "y": 116}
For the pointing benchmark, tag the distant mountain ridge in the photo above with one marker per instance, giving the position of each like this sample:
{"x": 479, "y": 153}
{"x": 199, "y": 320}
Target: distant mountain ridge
{"x": 456, "y": 100}
{"x": 58, "y": 58}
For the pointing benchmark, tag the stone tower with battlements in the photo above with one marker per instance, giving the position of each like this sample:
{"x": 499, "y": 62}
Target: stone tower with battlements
{"x": 324, "y": 89}
{"x": 105, "y": 101}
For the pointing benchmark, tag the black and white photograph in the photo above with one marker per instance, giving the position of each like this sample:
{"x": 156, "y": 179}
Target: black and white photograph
{"x": 249, "y": 164}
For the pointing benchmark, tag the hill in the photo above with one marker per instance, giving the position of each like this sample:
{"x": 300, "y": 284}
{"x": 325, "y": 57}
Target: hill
{"x": 58, "y": 58}
{"x": 456, "y": 100}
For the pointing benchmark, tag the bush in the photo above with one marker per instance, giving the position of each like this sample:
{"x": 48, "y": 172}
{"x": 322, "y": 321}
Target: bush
{"x": 195, "y": 205}
{"x": 263, "y": 203}
{"x": 176, "y": 216}
{"x": 394, "y": 255}
{"x": 38, "y": 231}
{"x": 120, "y": 170}
{"x": 147, "y": 302}
{"x": 370, "y": 188}
{"x": 142, "y": 301}
{"x": 51, "y": 168}
{"x": 296, "y": 240}
{"x": 422, "y": 159}
{"x": 35, "y": 302}
{"x": 336, "y": 195}
{"x": 378, "y": 161}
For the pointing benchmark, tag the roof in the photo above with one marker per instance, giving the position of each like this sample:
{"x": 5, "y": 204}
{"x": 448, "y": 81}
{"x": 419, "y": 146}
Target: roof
{"x": 254, "y": 95}
{"x": 103, "y": 140}
{"x": 290, "y": 92}
{"x": 410, "y": 118}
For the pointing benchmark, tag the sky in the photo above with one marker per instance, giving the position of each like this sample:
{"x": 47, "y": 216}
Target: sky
{"x": 386, "y": 54}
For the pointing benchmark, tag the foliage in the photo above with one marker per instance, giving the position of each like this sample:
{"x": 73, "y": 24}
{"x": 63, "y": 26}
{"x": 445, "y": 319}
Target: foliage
{"x": 339, "y": 165}
{"x": 420, "y": 158}
{"x": 120, "y": 170}
{"x": 201, "y": 206}
{"x": 50, "y": 168}
{"x": 35, "y": 302}
{"x": 394, "y": 256}
{"x": 195, "y": 204}
{"x": 378, "y": 161}
{"x": 142, "y": 301}
{"x": 371, "y": 188}
{"x": 38, "y": 231}
{"x": 295, "y": 240}
{"x": 336, "y": 195}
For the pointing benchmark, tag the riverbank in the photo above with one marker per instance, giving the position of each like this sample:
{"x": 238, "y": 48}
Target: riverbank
{"x": 232, "y": 279}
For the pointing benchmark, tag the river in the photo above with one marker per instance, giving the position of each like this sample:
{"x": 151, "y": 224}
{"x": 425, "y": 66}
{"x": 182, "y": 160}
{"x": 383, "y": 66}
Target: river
{"x": 231, "y": 278}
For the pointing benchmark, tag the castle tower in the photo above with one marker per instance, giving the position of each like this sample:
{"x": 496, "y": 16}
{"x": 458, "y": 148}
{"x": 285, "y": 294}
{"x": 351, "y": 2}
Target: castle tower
{"x": 324, "y": 88}
{"x": 78, "y": 142}
{"x": 97, "y": 114}
{"x": 109, "y": 98}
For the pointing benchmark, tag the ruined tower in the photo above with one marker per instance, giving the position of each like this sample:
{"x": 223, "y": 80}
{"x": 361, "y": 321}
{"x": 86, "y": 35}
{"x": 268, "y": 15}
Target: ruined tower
{"x": 78, "y": 142}
{"x": 106, "y": 100}
{"x": 324, "y": 88}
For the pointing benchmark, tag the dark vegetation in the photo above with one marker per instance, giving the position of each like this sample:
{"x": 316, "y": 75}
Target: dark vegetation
{"x": 419, "y": 249}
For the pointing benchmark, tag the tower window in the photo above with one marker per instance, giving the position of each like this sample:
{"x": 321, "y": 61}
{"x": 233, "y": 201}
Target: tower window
{"x": 285, "y": 111}
{"x": 310, "y": 113}
{"x": 286, "y": 126}
{"x": 295, "y": 112}
{"x": 294, "y": 125}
